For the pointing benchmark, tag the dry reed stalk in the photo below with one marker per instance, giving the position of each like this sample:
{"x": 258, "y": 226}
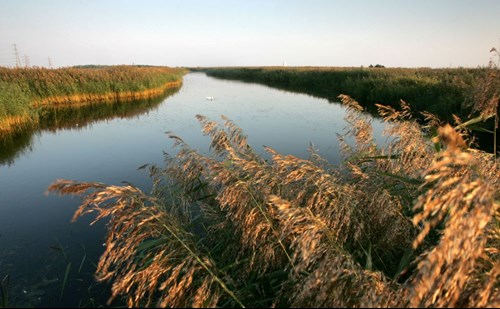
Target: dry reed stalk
{"x": 460, "y": 198}
{"x": 313, "y": 188}
{"x": 341, "y": 236}
{"x": 384, "y": 185}
{"x": 359, "y": 126}
{"x": 86, "y": 98}
{"x": 412, "y": 152}
{"x": 242, "y": 180}
{"x": 325, "y": 274}
{"x": 151, "y": 258}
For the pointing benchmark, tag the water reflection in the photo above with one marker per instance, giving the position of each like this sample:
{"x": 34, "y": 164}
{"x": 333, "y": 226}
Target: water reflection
{"x": 15, "y": 146}
{"x": 37, "y": 240}
{"x": 71, "y": 118}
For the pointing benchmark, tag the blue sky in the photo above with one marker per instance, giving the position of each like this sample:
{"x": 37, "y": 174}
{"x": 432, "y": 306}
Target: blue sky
{"x": 396, "y": 33}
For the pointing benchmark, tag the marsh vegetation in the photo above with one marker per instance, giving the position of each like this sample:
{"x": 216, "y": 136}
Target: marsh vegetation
{"x": 411, "y": 224}
{"x": 25, "y": 92}
{"x": 451, "y": 94}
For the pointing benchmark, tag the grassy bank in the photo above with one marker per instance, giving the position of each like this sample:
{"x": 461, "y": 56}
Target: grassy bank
{"x": 24, "y": 92}
{"x": 439, "y": 91}
{"x": 414, "y": 223}
{"x": 442, "y": 92}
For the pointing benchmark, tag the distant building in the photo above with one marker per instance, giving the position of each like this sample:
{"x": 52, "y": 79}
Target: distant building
{"x": 284, "y": 63}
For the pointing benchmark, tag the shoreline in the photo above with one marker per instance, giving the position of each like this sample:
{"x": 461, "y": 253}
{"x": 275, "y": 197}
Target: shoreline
{"x": 125, "y": 96}
{"x": 10, "y": 125}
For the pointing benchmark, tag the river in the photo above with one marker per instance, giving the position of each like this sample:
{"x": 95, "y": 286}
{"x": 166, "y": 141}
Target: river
{"x": 50, "y": 260}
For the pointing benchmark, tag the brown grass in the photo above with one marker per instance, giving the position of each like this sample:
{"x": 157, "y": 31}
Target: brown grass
{"x": 463, "y": 200}
{"x": 411, "y": 224}
{"x": 169, "y": 272}
{"x": 25, "y": 92}
{"x": 86, "y": 98}
{"x": 11, "y": 123}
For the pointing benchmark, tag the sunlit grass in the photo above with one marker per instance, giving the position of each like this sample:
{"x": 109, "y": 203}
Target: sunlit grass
{"x": 414, "y": 223}
{"x": 439, "y": 91}
{"x": 24, "y": 92}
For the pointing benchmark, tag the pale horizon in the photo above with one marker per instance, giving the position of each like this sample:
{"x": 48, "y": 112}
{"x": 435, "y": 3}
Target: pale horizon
{"x": 394, "y": 33}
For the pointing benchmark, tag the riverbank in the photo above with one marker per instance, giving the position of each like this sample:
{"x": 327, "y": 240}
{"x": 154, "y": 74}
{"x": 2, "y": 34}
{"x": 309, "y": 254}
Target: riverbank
{"x": 26, "y": 92}
{"x": 463, "y": 92}
{"x": 67, "y": 116}
{"x": 439, "y": 91}
{"x": 123, "y": 96}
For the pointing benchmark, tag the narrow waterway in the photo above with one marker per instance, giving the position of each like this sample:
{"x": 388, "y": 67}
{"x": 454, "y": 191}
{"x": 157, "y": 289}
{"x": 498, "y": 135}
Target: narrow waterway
{"x": 40, "y": 247}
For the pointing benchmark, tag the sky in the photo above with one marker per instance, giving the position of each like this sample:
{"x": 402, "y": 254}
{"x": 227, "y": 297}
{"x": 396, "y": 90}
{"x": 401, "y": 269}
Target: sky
{"x": 394, "y": 33}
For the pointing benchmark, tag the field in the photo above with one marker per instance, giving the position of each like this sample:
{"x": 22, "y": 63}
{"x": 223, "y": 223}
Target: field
{"x": 24, "y": 92}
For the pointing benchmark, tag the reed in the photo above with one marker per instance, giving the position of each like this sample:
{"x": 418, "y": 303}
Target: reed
{"x": 27, "y": 92}
{"x": 439, "y": 91}
{"x": 4, "y": 295}
{"x": 413, "y": 223}
{"x": 443, "y": 92}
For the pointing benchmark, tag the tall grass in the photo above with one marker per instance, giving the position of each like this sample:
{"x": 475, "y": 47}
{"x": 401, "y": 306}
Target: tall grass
{"x": 26, "y": 91}
{"x": 413, "y": 223}
{"x": 443, "y": 92}
{"x": 439, "y": 91}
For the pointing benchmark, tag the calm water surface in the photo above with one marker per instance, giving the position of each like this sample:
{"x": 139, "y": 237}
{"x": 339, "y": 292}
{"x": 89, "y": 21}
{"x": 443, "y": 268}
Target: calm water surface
{"x": 39, "y": 245}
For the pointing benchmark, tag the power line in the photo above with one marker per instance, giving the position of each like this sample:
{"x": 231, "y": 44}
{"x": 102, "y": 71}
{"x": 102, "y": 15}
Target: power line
{"x": 16, "y": 53}
{"x": 27, "y": 61}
